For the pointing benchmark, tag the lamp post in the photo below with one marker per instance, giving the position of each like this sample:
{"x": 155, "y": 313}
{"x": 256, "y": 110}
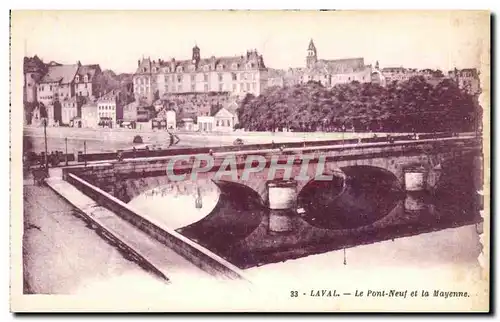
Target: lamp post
{"x": 66, "y": 143}
{"x": 44, "y": 120}
{"x": 85, "y": 153}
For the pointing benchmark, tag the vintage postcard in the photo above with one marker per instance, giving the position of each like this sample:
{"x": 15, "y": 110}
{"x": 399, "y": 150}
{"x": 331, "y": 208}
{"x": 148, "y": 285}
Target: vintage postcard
{"x": 250, "y": 161}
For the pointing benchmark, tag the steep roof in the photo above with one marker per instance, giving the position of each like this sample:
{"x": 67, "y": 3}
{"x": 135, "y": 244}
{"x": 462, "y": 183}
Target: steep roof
{"x": 90, "y": 70}
{"x": 146, "y": 65}
{"x": 223, "y": 113}
{"x": 63, "y": 74}
{"x": 311, "y": 45}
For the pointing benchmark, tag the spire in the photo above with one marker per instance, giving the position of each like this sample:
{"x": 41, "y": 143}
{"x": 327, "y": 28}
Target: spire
{"x": 311, "y": 45}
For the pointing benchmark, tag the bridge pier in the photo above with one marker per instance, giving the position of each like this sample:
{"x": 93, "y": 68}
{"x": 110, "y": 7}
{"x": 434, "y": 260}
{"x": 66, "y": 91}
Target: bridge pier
{"x": 415, "y": 179}
{"x": 282, "y": 199}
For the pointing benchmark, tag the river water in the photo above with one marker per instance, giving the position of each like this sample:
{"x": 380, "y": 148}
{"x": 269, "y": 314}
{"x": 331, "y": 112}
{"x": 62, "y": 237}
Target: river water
{"x": 231, "y": 220}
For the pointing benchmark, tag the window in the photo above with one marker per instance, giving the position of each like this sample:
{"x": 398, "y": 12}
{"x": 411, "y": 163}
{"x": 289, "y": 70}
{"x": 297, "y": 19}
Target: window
{"x": 217, "y": 123}
{"x": 179, "y": 78}
{"x": 205, "y": 77}
{"x": 234, "y": 87}
{"x": 179, "y": 69}
{"x": 50, "y": 87}
{"x": 206, "y": 88}
{"x": 221, "y": 78}
{"x": 144, "y": 69}
{"x": 166, "y": 88}
{"x": 166, "y": 78}
{"x": 221, "y": 87}
{"x": 234, "y": 76}
{"x": 86, "y": 78}
{"x": 77, "y": 78}
{"x": 193, "y": 78}
{"x": 220, "y": 67}
{"x": 254, "y": 85}
{"x": 235, "y": 66}
{"x": 193, "y": 88}
{"x": 179, "y": 88}
{"x": 242, "y": 87}
{"x": 206, "y": 68}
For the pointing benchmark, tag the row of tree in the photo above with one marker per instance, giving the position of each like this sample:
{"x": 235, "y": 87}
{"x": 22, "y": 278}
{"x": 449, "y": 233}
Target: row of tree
{"x": 413, "y": 105}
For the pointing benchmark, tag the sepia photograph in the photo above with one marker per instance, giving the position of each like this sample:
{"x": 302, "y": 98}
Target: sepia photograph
{"x": 246, "y": 161}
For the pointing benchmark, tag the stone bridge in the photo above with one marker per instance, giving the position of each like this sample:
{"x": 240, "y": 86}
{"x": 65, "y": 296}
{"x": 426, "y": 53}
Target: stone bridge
{"x": 411, "y": 165}
{"x": 373, "y": 193}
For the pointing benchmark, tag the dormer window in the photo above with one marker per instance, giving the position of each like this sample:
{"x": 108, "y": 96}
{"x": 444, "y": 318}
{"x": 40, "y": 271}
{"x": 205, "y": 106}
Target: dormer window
{"x": 166, "y": 70}
{"x": 206, "y": 68}
{"x": 235, "y": 66}
{"x": 154, "y": 69}
{"x": 86, "y": 78}
{"x": 220, "y": 67}
{"x": 179, "y": 69}
{"x": 77, "y": 78}
{"x": 192, "y": 68}
{"x": 144, "y": 69}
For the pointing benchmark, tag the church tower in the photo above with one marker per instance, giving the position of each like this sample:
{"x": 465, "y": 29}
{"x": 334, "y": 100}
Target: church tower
{"x": 312, "y": 55}
{"x": 196, "y": 55}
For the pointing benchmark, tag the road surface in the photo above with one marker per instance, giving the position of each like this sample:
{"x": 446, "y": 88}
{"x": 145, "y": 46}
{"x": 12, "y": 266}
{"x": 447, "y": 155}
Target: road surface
{"x": 61, "y": 255}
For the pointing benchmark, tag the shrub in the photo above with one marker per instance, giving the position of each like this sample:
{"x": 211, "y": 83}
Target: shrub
{"x": 138, "y": 139}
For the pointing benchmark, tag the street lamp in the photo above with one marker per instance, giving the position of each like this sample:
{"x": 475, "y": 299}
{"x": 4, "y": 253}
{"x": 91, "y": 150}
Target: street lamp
{"x": 44, "y": 121}
{"x": 66, "y": 142}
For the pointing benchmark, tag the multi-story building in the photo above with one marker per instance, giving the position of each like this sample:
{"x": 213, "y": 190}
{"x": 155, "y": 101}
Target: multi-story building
{"x": 467, "y": 79}
{"x": 53, "y": 83}
{"x": 34, "y": 69}
{"x": 71, "y": 108}
{"x": 130, "y": 112}
{"x": 235, "y": 74}
{"x": 86, "y": 80}
{"x": 56, "y": 84}
{"x": 109, "y": 111}
{"x": 90, "y": 117}
{"x": 327, "y": 72}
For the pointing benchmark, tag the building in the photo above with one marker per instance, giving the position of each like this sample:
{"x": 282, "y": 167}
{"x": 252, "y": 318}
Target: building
{"x": 53, "y": 83}
{"x": 467, "y": 79}
{"x": 71, "y": 109}
{"x": 235, "y": 74}
{"x": 205, "y": 123}
{"x": 34, "y": 69}
{"x": 109, "y": 111}
{"x": 224, "y": 121}
{"x": 327, "y": 72}
{"x": 130, "y": 112}
{"x": 85, "y": 83}
{"x": 90, "y": 118}
{"x": 55, "y": 86}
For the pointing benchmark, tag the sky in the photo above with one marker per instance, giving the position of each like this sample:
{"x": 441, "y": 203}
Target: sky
{"x": 117, "y": 39}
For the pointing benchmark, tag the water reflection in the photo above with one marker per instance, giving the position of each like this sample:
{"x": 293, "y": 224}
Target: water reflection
{"x": 365, "y": 206}
{"x": 179, "y": 204}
